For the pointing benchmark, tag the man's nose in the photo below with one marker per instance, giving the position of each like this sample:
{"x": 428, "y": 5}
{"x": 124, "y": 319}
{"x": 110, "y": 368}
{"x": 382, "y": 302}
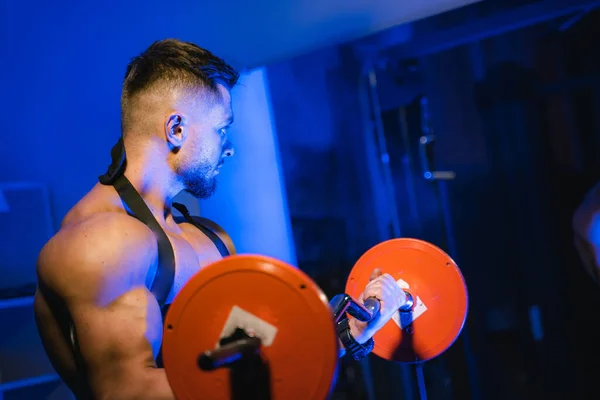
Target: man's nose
{"x": 228, "y": 150}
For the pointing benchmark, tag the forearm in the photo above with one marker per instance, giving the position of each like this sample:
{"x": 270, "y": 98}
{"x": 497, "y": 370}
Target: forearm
{"x": 149, "y": 384}
{"x": 358, "y": 331}
{"x": 156, "y": 386}
{"x": 342, "y": 350}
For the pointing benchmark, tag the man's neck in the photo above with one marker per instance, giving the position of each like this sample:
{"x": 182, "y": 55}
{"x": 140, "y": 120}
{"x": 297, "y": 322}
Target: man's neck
{"x": 156, "y": 183}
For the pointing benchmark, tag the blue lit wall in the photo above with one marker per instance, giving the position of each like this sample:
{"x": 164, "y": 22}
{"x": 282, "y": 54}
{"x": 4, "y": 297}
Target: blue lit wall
{"x": 251, "y": 201}
{"x": 64, "y": 103}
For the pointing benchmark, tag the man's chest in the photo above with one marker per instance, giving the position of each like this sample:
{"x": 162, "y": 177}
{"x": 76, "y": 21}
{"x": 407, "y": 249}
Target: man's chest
{"x": 193, "y": 251}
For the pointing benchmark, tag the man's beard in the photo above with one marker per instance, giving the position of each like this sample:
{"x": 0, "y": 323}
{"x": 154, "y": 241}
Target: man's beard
{"x": 199, "y": 181}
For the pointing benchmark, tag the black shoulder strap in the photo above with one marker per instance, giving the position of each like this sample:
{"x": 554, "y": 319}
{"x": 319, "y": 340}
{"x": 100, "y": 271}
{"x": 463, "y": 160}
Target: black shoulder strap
{"x": 160, "y": 277}
{"x": 218, "y": 242}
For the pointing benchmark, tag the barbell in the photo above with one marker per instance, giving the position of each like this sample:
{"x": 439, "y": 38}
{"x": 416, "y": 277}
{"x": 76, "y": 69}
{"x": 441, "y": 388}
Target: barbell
{"x": 251, "y": 326}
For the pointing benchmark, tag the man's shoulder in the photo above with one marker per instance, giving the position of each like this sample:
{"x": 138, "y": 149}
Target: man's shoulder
{"x": 217, "y": 230}
{"x": 117, "y": 228}
{"x": 101, "y": 248}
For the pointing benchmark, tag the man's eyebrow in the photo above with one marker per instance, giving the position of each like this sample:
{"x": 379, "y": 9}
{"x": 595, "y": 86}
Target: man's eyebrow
{"x": 230, "y": 120}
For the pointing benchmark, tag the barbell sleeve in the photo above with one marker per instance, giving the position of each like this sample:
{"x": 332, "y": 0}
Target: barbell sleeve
{"x": 228, "y": 354}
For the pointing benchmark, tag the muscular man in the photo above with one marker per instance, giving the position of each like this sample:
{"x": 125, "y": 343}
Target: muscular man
{"x": 120, "y": 256}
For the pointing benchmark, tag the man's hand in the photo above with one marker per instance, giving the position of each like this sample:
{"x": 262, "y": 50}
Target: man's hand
{"x": 586, "y": 230}
{"x": 384, "y": 288}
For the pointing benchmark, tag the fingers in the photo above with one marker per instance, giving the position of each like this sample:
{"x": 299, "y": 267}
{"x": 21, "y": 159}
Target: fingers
{"x": 361, "y": 298}
{"x": 384, "y": 279}
{"x": 386, "y": 290}
{"x": 375, "y": 274}
{"x": 382, "y": 286}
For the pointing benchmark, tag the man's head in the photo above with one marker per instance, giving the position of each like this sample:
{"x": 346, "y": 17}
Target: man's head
{"x": 177, "y": 95}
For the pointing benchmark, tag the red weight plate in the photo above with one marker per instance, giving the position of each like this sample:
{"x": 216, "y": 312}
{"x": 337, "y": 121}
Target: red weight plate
{"x": 441, "y": 298}
{"x": 303, "y": 355}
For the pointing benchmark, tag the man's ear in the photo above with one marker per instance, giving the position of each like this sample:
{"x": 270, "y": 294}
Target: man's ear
{"x": 175, "y": 131}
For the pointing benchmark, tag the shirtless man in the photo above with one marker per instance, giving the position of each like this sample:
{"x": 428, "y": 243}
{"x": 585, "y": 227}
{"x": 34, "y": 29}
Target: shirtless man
{"x": 120, "y": 257}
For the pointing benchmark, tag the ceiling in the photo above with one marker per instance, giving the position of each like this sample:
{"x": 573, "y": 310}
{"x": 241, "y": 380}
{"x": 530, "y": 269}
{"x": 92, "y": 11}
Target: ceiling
{"x": 250, "y": 33}
{"x": 268, "y": 30}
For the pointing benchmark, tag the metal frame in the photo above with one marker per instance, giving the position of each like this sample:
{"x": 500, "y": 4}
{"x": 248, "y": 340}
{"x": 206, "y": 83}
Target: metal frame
{"x": 482, "y": 28}
{"x": 27, "y": 301}
{"x": 43, "y": 188}
{"x": 382, "y": 184}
